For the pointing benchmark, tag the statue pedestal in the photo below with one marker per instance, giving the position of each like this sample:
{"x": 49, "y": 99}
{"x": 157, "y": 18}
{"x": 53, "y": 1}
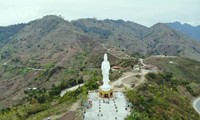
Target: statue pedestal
{"x": 105, "y": 94}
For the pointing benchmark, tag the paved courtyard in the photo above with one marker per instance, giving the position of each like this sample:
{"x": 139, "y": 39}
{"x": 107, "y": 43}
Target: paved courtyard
{"x": 115, "y": 108}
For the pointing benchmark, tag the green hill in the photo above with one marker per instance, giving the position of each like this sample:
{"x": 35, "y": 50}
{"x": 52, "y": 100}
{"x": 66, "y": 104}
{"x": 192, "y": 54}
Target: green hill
{"x": 168, "y": 94}
{"x": 49, "y": 52}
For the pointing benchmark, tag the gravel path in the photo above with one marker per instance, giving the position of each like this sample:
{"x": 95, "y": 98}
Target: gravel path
{"x": 196, "y": 104}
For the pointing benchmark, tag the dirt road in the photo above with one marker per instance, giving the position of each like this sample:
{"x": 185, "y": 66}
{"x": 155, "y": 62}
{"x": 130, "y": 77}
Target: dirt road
{"x": 131, "y": 77}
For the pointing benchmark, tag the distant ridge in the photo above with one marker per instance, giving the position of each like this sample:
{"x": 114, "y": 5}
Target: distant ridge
{"x": 192, "y": 31}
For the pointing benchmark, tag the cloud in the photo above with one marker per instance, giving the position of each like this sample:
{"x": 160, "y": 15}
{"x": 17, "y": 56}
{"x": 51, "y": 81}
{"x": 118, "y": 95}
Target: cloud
{"x": 147, "y": 12}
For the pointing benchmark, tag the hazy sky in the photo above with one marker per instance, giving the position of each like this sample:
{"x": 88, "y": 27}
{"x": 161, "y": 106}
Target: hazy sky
{"x": 146, "y": 12}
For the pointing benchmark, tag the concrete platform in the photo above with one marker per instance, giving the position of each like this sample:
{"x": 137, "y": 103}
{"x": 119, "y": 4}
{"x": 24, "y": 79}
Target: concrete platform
{"x": 107, "y": 109}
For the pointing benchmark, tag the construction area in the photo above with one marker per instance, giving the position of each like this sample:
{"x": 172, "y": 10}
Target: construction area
{"x": 116, "y": 108}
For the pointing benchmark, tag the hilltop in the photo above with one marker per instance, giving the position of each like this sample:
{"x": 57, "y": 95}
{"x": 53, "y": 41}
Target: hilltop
{"x": 51, "y": 45}
{"x": 51, "y": 54}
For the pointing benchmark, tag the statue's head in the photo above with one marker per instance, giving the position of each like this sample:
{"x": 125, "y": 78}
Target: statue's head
{"x": 105, "y": 57}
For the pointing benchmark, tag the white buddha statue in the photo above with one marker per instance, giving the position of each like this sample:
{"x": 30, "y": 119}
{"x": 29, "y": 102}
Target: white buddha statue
{"x": 105, "y": 67}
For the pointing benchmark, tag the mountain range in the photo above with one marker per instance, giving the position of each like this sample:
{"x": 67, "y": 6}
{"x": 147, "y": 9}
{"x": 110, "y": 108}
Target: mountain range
{"x": 32, "y": 52}
{"x": 192, "y": 31}
{"x": 53, "y": 39}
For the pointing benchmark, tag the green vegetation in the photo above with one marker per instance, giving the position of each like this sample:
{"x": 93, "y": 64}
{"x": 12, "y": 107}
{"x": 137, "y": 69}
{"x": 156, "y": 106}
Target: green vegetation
{"x": 114, "y": 75}
{"x": 183, "y": 69}
{"x": 9, "y": 31}
{"x": 55, "y": 90}
{"x": 128, "y": 62}
{"x": 159, "y": 99}
{"x": 43, "y": 102}
{"x": 46, "y": 75}
{"x": 62, "y": 48}
{"x": 137, "y": 55}
{"x": 32, "y": 63}
{"x": 167, "y": 95}
{"x": 49, "y": 65}
{"x": 16, "y": 69}
{"x": 6, "y": 52}
{"x": 138, "y": 76}
{"x": 79, "y": 61}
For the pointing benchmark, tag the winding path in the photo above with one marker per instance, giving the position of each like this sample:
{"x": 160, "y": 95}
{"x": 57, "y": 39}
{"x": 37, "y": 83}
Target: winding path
{"x": 142, "y": 62}
{"x": 129, "y": 77}
{"x": 30, "y": 68}
{"x": 70, "y": 89}
{"x": 196, "y": 104}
